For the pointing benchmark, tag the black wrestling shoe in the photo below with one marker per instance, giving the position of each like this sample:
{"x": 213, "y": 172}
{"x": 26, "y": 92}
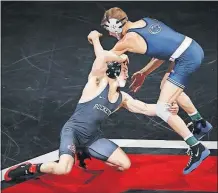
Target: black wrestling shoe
{"x": 81, "y": 156}
{"x": 18, "y": 171}
{"x": 198, "y": 153}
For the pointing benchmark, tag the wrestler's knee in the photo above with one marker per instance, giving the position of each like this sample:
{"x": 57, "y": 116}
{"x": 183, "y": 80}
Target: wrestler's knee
{"x": 125, "y": 164}
{"x": 162, "y": 111}
{"x": 120, "y": 159}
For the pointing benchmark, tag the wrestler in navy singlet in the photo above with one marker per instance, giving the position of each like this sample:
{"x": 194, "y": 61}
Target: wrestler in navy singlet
{"x": 162, "y": 42}
{"x": 83, "y": 127}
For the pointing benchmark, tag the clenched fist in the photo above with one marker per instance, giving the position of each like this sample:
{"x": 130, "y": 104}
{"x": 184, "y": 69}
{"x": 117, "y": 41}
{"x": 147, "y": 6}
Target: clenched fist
{"x": 93, "y": 35}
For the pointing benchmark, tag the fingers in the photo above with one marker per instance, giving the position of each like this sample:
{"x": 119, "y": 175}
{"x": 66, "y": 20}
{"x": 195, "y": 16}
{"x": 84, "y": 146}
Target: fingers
{"x": 132, "y": 77}
{"x": 136, "y": 89}
{"x": 132, "y": 84}
{"x": 124, "y": 58}
{"x": 174, "y": 109}
{"x": 90, "y": 41}
{"x": 127, "y": 61}
{"x": 93, "y": 35}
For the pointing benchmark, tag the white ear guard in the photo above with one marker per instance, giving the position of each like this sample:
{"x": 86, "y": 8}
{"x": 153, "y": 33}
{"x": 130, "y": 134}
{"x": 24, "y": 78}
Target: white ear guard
{"x": 114, "y": 25}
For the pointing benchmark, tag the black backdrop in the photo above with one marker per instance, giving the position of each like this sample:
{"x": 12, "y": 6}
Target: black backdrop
{"x": 46, "y": 59}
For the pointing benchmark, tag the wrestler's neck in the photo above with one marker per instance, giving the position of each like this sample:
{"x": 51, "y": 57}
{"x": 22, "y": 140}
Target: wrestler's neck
{"x": 127, "y": 26}
{"x": 113, "y": 85}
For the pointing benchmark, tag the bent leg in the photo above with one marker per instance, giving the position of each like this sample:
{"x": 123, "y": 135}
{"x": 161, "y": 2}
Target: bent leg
{"x": 109, "y": 152}
{"x": 199, "y": 126}
{"x": 183, "y": 100}
{"x": 171, "y": 90}
{"x": 119, "y": 159}
{"x": 63, "y": 167}
{"x": 67, "y": 152}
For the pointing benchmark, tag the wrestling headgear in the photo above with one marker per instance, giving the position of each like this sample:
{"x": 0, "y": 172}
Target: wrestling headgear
{"x": 114, "y": 69}
{"x": 114, "y": 25}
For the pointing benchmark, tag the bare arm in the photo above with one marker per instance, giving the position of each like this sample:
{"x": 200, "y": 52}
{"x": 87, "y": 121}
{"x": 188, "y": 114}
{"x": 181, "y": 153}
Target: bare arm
{"x": 97, "y": 47}
{"x": 124, "y": 45}
{"x": 151, "y": 66}
{"x": 102, "y": 56}
{"x": 128, "y": 44}
{"x": 136, "y": 106}
{"x": 107, "y": 55}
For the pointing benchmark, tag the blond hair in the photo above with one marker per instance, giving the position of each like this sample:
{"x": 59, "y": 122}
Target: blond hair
{"x": 115, "y": 13}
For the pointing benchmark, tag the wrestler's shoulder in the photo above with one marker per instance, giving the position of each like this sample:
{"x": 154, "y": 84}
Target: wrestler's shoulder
{"x": 129, "y": 36}
{"x": 125, "y": 95}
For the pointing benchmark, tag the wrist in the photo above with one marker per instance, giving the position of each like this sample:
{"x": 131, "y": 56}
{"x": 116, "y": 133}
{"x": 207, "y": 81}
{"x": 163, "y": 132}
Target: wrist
{"x": 143, "y": 72}
{"x": 95, "y": 39}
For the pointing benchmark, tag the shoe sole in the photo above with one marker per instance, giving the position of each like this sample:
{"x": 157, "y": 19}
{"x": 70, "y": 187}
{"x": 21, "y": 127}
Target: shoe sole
{"x": 204, "y": 155}
{"x": 199, "y": 138}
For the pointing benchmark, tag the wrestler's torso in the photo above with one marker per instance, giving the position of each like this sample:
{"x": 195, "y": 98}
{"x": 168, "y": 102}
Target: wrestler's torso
{"x": 161, "y": 41}
{"x": 88, "y": 116}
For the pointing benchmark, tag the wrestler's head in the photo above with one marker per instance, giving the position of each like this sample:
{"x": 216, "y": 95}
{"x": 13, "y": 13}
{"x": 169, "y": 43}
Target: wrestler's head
{"x": 118, "y": 72}
{"x": 113, "y": 21}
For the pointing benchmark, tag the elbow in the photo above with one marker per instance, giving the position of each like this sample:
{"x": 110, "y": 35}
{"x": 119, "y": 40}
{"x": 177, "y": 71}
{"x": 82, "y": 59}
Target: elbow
{"x": 101, "y": 57}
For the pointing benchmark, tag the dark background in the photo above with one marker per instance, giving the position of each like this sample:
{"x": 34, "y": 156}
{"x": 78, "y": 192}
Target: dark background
{"x": 46, "y": 59}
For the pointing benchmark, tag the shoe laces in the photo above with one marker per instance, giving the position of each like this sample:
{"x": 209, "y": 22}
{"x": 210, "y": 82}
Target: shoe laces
{"x": 188, "y": 152}
{"x": 191, "y": 157}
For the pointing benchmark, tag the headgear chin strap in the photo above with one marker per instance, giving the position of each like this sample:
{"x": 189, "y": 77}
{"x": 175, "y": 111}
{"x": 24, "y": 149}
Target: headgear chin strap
{"x": 114, "y": 69}
{"x": 114, "y": 25}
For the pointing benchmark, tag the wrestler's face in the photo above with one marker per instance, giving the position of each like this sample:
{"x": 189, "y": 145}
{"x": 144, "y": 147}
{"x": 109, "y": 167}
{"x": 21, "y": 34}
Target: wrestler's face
{"x": 116, "y": 35}
{"x": 122, "y": 78}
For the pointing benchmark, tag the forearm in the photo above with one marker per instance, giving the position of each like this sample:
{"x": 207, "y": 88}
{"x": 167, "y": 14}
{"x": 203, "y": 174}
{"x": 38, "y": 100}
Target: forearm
{"x": 119, "y": 52}
{"x": 108, "y": 56}
{"x": 98, "y": 49}
{"x": 143, "y": 108}
{"x": 99, "y": 66}
{"x": 151, "y": 66}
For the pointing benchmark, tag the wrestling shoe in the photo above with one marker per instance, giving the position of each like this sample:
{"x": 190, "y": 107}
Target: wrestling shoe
{"x": 18, "y": 171}
{"x": 197, "y": 154}
{"x": 199, "y": 129}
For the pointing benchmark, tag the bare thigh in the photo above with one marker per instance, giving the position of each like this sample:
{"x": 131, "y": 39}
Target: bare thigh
{"x": 109, "y": 152}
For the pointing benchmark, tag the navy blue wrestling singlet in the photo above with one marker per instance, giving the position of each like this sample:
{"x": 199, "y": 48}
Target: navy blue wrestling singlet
{"x": 166, "y": 44}
{"x": 162, "y": 41}
{"x": 89, "y": 116}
